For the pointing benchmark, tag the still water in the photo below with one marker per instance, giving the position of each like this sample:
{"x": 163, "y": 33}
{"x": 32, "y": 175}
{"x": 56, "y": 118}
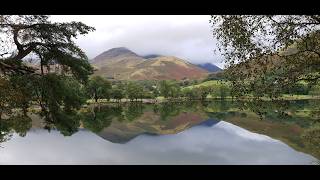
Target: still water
{"x": 219, "y": 132}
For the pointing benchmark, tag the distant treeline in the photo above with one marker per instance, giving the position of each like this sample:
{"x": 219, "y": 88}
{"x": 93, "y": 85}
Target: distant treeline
{"x": 101, "y": 88}
{"x": 215, "y": 86}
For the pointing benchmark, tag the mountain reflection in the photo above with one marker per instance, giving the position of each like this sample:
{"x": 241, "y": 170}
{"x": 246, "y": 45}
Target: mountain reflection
{"x": 295, "y": 123}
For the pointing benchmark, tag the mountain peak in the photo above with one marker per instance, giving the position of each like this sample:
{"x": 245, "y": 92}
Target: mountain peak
{"x": 118, "y": 51}
{"x": 113, "y": 53}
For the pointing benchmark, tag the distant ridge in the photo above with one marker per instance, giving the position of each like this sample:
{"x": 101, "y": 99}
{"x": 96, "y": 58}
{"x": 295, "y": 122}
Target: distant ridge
{"x": 210, "y": 67}
{"x": 151, "y": 56}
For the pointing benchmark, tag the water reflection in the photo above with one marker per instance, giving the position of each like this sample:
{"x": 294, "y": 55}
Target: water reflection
{"x": 211, "y": 142}
{"x": 295, "y": 123}
{"x": 19, "y": 124}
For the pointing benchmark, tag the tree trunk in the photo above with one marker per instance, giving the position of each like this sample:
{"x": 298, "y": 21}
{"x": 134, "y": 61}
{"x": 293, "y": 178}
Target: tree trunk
{"x": 96, "y": 98}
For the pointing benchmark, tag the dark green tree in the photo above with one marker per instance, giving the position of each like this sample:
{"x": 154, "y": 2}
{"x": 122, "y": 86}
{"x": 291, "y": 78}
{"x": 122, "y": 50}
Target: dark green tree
{"x": 134, "y": 91}
{"x": 97, "y": 118}
{"x": 117, "y": 94}
{"x": 203, "y": 92}
{"x": 164, "y": 88}
{"x": 98, "y": 88}
{"x": 224, "y": 91}
{"x": 168, "y": 110}
{"x": 189, "y": 93}
{"x": 18, "y": 123}
{"x": 315, "y": 90}
{"x": 169, "y": 89}
{"x": 57, "y": 58}
{"x": 133, "y": 111}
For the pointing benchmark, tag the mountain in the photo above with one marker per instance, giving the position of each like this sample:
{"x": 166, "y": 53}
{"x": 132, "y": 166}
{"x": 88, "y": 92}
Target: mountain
{"x": 123, "y": 64}
{"x": 210, "y": 67}
{"x": 167, "y": 67}
{"x": 117, "y": 57}
{"x": 150, "y": 123}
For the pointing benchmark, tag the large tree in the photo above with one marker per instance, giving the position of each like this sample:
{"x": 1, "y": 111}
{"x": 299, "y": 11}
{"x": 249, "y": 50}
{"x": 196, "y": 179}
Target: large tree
{"x": 98, "y": 88}
{"x": 169, "y": 89}
{"x": 134, "y": 91}
{"x": 267, "y": 54}
{"x": 53, "y": 79}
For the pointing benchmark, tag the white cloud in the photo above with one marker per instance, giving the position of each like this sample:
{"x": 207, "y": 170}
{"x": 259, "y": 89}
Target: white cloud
{"x": 187, "y": 37}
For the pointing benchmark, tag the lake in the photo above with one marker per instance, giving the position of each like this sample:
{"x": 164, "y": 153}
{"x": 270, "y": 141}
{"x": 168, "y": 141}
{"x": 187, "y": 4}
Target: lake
{"x": 217, "y": 132}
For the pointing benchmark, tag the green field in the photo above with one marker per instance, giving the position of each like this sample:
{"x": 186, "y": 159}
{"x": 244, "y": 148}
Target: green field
{"x": 212, "y": 83}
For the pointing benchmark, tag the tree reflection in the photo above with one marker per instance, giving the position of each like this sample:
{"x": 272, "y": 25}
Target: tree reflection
{"x": 302, "y": 117}
{"x": 133, "y": 111}
{"x": 19, "y": 123}
{"x": 300, "y": 112}
{"x": 98, "y": 117}
{"x": 66, "y": 122}
{"x": 312, "y": 136}
{"x": 315, "y": 111}
{"x": 167, "y": 110}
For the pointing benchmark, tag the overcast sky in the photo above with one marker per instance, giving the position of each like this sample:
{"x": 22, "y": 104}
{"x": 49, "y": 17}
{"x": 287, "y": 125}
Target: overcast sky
{"x": 187, "y": 37}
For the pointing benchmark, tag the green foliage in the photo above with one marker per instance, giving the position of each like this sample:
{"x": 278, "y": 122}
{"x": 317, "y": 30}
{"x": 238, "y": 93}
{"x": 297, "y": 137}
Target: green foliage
{"x": 17, "y": 122}
{"x": 155, "y": 92}
{"x": 62, "y": 97}
{"x": 169, "y": 89}
{"x": 215, "y": 76}
{"x": 299, "y": 89}
{"x": 269, "y": 54}
{"x": 98, "y": 88}
{"x": 189, "y": 93}
{"x": 59, "y": 91}
{"x": 117, "y": 93}
{"x": 315, "y": 90}
{"x": 51, "y": 42}
{"x": 67, "y": 123}
{"x": 168, "y": 110}
{"x": 203, "y": 91}
{"x": 164, "y": 88}
{"x": 133, "y": 111}
{"x": 312, "y": 136}
{"x": 134, "y": 91}
{"x": 214, "y": 88}
{"x": 224, "y": 91}
{"x": 54, "y": 84}
{"x": 99, "y": 118}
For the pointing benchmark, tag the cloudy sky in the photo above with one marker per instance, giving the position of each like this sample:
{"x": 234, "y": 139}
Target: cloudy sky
{"x": 187, "y": 37}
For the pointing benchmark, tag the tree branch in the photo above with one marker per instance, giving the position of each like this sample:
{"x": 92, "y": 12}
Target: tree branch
{"x": 21, "y": 69}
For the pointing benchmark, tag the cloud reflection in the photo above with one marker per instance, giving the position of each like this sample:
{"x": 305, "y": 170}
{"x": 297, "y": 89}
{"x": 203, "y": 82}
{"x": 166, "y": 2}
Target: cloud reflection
{"x": 221, "y": 143}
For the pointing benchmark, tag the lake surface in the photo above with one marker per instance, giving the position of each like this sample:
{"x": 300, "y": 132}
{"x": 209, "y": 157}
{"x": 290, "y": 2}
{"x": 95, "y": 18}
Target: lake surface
{"x": 219, "y": 132}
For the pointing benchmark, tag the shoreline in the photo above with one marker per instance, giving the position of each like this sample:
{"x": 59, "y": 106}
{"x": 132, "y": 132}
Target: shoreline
{"x": 181, "y": 100}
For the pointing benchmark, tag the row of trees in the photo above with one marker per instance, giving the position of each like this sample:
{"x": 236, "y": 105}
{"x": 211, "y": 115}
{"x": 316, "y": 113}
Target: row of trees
{"x": 100, "y": 88}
